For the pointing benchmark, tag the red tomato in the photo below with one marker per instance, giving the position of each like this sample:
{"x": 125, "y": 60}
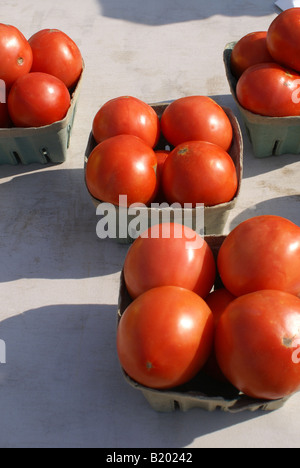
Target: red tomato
{"x": 261, "y": 253}
{"x": 196, "y": 118}
{"x": 15, "y": 53}
{"x": 122, "y": 165}
{"x": 162, "y": 156}
{"x": 127, "y": 115}
{"x": 248, "y": 51}
{"x": 283, "y": 38}
{"x": 57, "y": 54}
{"x": 164, "y": 337}
{"x": 199, "y": 172}
{"x": 270, "y": 90}
{"x": 38, "y": 99}
{"x": 257, "y": 344}
{"x": 169, "y": 254}
{"x": 161, "y": 159}
{"x": 218, "y": 300}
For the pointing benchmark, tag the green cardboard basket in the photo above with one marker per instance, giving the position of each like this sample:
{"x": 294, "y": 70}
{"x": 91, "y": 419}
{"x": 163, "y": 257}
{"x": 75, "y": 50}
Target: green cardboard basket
{"x": 215, "y": 217}
{"x": 269, "y": 136}
{"x": 43, "y": 145}
{"x": 203, "y": 391}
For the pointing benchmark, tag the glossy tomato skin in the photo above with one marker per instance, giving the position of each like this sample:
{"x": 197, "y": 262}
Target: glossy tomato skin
{"x": 38, "y": 99}
{"x": 122, "y": 165}
{"x": 199, "y": 172}
{"x": 196, "y": 118}
{"x": 269, "y": 89}
{"x": 15, "y": 53}
{"x": 248, "y": 51}
{"x": 218, "y": 300}
{"x": 262, "y": 252}
{"x": 169, "y": 254}
{"x": 256, "y": 344}
{"x": 162, "y": 156}
{"x": 284, "y": 37}
{"x": 126, "y": 115}
{"x": 54, "y": 52}
{"x": 164, "y": 337}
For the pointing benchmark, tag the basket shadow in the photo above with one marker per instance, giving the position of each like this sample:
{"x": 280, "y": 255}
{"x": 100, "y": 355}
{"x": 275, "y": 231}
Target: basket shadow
{"x": 62, "y": 386}
{"x": 48, "y": 228}
{"x": 160, "y": 12}
{"x": 286, "y": 206}
{"x": 51, "y": 385}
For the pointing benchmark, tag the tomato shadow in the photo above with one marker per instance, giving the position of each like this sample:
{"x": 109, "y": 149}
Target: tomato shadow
{"x": 160, "y": 12}
{"x": 62, "y": 387}
{"x": 57, "y": 358}
{"x": 48, "y": 227}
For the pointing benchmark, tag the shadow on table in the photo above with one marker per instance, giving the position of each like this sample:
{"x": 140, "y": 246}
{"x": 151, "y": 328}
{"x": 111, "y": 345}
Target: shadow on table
{"x": 159, "y": 12}
{"x": 286, "y": 206}
{"x": 48, "y": 227}
{"x": 62, "y": 386}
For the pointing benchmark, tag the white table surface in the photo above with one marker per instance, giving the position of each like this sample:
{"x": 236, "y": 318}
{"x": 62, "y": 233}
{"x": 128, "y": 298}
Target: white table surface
{"x": 61, "y": 385}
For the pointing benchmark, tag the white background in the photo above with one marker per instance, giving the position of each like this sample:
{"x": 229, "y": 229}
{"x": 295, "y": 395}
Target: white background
{"x": 62, "y": 385}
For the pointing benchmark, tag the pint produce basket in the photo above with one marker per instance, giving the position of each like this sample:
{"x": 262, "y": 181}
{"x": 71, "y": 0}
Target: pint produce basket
{"x": 215, "y": 217}
{"x": 203, "y": 391}
{"x": 269, "y": 136}
{"x": 42, "y": 145}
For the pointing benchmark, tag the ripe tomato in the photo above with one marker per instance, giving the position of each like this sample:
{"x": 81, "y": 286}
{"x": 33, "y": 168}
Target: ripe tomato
{"x": 15, "y": 53}
{"x": 169, "y": 254}
{"x": 122, "y": 165}
{"x": 248, "y": 51}
{"x": 270, "y": 90}
{"x": 162, "y": 156}
{"x": 283, "y": 38}
{"x": 38, "y": 99}
{"x": 127, "y": 115}
{"x": 164, "y": 337}
{"x": 261, "y": 253}
{"x": 218, "y": 300}
{"x": 54, "y": 52}
{"x": 256, "y": 344}
{"x": 161, "y": 159}
{"x": 196, "y": 118}
{"x": 199, "y": 172}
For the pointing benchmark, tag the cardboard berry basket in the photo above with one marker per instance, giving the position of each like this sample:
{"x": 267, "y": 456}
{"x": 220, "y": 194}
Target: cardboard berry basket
{"x": 42, "y": 145}
{"x": 203, "y": 391}
{"x": 269, "y": 136}
{"x": 215, "y": 217}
